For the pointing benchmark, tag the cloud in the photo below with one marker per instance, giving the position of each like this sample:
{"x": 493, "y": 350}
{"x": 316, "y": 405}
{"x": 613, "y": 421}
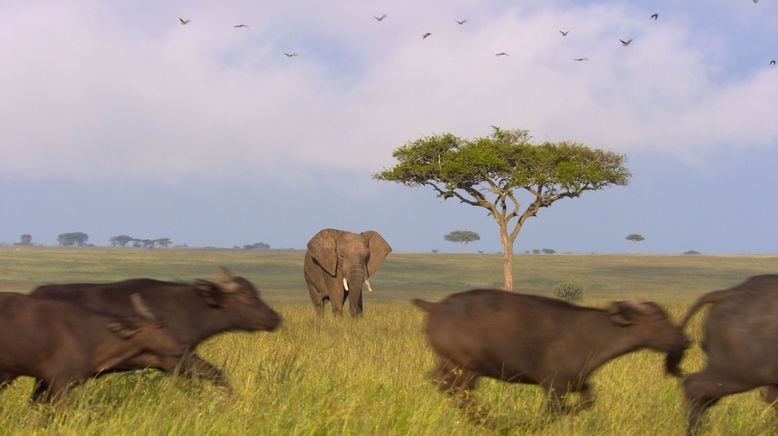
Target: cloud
{"x": 102, "y": 89}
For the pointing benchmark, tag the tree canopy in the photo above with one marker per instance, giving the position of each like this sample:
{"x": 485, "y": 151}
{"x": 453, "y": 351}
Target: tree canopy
{"x": 635, "y": 237}
{"x": 72, "y": 238}
{"x": 462, "y": 237}
{"x": 487, "y": 171}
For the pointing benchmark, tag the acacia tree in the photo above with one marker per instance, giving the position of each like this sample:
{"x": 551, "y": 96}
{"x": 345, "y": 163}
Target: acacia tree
{"x": 635, "y": 238}
{"x": 489, "y": 172}
{"x": 463, "y": 237}
{"x": 78, "y": 239}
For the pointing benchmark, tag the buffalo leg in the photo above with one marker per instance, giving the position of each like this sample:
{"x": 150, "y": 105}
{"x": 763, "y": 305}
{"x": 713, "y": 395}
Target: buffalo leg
{"x": 40, "y": 392}
{"x": 459, "y": 383}
{"x": 771, "y": 396}
{"x": 5, "y": 379}
{"x": 194, "y": 365}
{"x": 587, "y": 396}
{"x": 556, "y": 391}
{"x": 703, "y": 390}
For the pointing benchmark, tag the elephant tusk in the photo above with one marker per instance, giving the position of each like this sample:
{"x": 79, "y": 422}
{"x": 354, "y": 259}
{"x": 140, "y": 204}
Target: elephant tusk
{"x": 345, "y": 284}
{"x": 369, "y": 289}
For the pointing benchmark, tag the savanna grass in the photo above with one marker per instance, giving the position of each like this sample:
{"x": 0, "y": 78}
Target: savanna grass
{"x": 317, "y": 376}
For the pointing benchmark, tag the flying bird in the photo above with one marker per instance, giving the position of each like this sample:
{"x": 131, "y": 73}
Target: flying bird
{"x": 580, "y": 59}
{"x": 290, "y": 55}
{"x": 183, "y": 21}
{"x": 625, "y": 43}
{"x": 772, "y": 62}
{"x": 461, "y": 22}
{"x": 238, "y": 26}
{"x": 654, "y": 16}
{"x": 426, "y": 35}
{"x": 381, "y": 18}
{"x": 564, "y": 32}
{"x": 502, "y": 53}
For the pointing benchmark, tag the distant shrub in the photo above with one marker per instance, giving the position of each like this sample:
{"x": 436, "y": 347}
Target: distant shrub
{"x": 691, "y": 252}
{"x": 572, "y": 292}
{"x": 548, "y": 251}
{"x": 434, "y": 251}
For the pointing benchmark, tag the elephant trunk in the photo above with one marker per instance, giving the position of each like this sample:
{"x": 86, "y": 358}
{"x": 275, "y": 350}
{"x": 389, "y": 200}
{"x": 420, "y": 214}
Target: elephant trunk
{"x": 353, "y": 282}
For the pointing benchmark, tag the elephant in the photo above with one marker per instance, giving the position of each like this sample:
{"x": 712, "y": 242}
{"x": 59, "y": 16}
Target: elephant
{"x": 337, "y": 263}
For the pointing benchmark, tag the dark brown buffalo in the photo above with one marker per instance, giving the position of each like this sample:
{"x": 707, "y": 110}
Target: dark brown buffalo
{"x": 192, "y": 312}
{"x": 529, "y": 339}
{"x": 740, "y": 338}
{"x": 61, "y": 344}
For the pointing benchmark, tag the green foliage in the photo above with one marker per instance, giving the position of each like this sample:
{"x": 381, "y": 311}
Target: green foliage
{"x": 78, "y": 239}
{"x": 568, "y": 291}
{"x": 506, "y": 159}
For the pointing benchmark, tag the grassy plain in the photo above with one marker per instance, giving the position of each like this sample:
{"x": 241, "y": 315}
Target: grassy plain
{"x": 342, "y": 376}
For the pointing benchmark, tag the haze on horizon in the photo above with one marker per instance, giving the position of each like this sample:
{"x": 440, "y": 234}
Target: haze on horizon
{"x": 117, "y": 119}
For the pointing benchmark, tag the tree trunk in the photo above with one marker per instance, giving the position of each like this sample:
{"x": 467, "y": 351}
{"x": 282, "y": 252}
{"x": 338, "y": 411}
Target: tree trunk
{"x": 507, "y": 256}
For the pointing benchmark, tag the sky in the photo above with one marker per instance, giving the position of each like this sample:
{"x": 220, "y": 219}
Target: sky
{"x": 117, "y": 119}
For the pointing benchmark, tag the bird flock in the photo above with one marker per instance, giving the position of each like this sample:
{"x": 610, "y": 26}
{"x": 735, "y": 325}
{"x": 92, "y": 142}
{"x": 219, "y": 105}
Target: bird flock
{"x": 380, "y": 18}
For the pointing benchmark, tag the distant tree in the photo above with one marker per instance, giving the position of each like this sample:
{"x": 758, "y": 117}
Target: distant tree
{"x": 164, "y": 242}
{"x": 25, "y": 239}
{"x": 78, "y": 239}
{"x": 434, "y": 250}
{"x": 121, "y": 240}
{"x": 635, "y": 238}
{"x": 548, "y": 251}
{"x": 463, "y": 237}
{"x": 691, "y": 252}
{"x": 535, "y": 251}
{"x": 257, "y": 246}
{"x": 490, "y": 172}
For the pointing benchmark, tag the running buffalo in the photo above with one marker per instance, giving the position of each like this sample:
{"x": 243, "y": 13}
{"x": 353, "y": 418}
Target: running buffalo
{"x": 61, "y": 344}
{"x": 192, "y": 312}
{"x": 536, "y": 340}
{"x": 741, "y": 342}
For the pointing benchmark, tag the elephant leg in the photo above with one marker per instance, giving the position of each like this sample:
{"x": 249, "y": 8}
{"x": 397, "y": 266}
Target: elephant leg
{"x": 317, "y": 299}
{"x": 355, "y": 303}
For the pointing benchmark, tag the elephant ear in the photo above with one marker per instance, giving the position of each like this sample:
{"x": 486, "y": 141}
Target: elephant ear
{"x": 379, "y": 249}
{"x": 322, "y": 249}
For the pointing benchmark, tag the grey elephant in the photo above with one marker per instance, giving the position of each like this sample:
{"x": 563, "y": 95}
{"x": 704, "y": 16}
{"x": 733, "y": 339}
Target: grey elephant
{"x": 338, "y": 263}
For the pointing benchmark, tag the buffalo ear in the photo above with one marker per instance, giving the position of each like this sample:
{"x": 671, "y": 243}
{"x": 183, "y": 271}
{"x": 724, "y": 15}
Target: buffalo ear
{"x": 209, "y": 292}
{"x": 622, "y": 313}
{"x": 322, "y": 248}
{"x": 379, "y": 249}
{"x": 121, "y": 329}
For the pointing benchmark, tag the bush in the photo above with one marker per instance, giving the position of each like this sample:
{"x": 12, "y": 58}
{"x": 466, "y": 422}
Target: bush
{"x": 572, "y": 292}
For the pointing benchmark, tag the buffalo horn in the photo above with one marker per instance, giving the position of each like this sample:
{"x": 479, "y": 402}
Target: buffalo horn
{"x": 226, "y": 280}
{"x": 140, "y": 307}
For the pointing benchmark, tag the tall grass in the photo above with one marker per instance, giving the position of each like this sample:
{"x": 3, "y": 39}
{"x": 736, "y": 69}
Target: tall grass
{"x": 318, "y": 376}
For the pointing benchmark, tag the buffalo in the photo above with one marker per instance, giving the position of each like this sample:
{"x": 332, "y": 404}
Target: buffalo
{"x": 61, "y": 344}
{"x": 192, "y": 312}
{"x": 521, "y": 338}
{"x": 740, "y": 339}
